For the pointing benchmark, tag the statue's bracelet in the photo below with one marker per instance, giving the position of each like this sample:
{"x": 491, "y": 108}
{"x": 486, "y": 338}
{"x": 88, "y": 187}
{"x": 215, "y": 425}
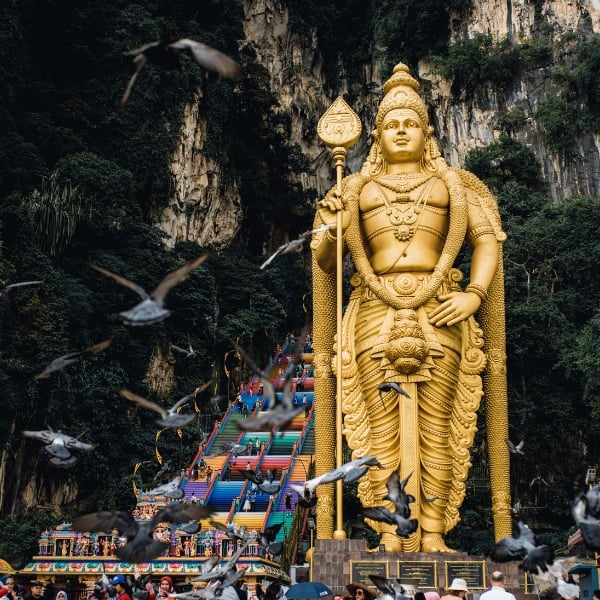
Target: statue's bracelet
{"x": 477, "y": 290}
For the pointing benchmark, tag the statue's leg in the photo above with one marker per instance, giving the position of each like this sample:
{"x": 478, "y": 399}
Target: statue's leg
{"x": 383, "y": 437}
{"x": 436, "y": 397}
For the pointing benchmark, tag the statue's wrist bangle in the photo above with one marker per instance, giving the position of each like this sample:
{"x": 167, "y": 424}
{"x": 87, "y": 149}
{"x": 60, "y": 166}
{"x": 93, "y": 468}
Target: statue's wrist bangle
{"x": 332, "y": 238}
{"x": 477, "y": 290}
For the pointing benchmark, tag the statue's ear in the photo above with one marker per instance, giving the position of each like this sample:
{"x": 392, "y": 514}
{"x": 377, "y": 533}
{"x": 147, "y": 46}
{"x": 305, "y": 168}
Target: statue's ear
{"x": 375, "y": 134}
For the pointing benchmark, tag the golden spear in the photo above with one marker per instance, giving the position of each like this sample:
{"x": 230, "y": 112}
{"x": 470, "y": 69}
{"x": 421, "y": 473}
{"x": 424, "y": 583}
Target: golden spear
{"x": 339, "y": 128}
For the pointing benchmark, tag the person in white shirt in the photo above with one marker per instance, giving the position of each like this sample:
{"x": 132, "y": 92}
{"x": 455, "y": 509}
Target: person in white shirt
{"x": 497, "y": 591}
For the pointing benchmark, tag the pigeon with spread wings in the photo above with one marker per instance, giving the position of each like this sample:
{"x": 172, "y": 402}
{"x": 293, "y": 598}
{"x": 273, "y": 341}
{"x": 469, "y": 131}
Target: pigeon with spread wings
{"x": 66, "y": 359}
{"x": 296, "y": 245}
{"x": 140, "y": 545}
{"x": 348, "y": 472}
{"x": 166, "y": 56}
{"x": 524, "y": 547}
{"x": 170, "y": 418}
{"x": 151, "y": 309}
{"x": 281, "y": 411}
{"x": 11, "y": 286}
{"x": 58, "y": 444}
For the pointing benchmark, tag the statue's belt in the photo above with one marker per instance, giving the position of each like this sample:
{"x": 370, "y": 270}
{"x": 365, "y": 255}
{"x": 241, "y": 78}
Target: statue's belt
{"x": 398, "y": 284}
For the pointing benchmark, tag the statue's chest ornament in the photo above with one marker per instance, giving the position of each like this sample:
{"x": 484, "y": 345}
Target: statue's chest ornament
{"x": 403, "y": 212}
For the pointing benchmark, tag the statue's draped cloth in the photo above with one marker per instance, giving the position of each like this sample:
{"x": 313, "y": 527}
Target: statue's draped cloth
{"x": 445, "y": 388}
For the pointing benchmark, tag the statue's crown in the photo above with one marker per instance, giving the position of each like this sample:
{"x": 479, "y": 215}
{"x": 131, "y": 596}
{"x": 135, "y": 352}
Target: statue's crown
{"x": 402, "y": 91}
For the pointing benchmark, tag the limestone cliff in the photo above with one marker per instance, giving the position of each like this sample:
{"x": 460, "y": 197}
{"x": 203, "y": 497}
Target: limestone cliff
{"x": 206, "y": 206}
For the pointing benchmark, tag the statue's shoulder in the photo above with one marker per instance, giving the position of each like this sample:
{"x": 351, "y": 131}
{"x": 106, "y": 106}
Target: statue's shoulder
{"x": 483, "y": 197}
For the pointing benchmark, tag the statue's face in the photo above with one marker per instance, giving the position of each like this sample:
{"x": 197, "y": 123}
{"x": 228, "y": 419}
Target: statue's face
{"x": 402, "y": 138}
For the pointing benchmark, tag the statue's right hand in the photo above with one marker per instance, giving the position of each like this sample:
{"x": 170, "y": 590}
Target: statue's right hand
{"x": 328, "y": 209}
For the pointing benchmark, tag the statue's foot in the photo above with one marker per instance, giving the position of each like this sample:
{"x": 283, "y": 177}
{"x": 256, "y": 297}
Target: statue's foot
{"x": 391, "y": 542}
{"x": 434, "y": 543}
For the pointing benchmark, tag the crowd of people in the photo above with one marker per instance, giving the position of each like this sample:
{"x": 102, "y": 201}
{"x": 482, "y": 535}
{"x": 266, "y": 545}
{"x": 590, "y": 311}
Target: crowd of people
{"x": 456, "y": 590}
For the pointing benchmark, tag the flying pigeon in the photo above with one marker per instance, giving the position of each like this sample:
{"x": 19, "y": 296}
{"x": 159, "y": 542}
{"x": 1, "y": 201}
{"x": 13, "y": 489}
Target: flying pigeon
{"x": 58, "y": 444}
{"x": 404, "y": 526}
{"x": 166, "y": 56}
{"x": 391, "y": 386}
{"x": 151, "y": 309}
{"x": 348, "y": 472}
{"x": 515, "y": 449}
{"x": 307, "y": 499}
{"x": 140, "y": 545}
{"x": 587, "y": 521}
{"x": 163, "y": 469}
{"x": 64, "y": 361}
{"x": 170, "y": 418}
{"x": 392, "y": 587}
{"x": 524, "y": 548}
{"x": 242, "y": 536}
{"x": 397, "y": 495}
{"x": 7, "y": 288}
{"x": 282, "y": 411}
{"x": 163, "y": 489}
{"x": 189, "y": 353}
{"x": 218, "y": 404}
{"x": 266, "y": 538}
{"x": 265, "y": 483}
{"x": 296, "y": 245}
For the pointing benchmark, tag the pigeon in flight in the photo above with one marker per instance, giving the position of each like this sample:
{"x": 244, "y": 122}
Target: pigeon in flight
{"x": 140, "y": 546}
{"x": 223, "y": 571}
{"x": 7, "y": 288}
{"x": 392, "y": 587}
{"x": 64, "y": 361}
{"x": 218, "y": 404}
{"x": 151, "y": 309}
{"x": 533, "y": 556}
{"x": 296, "y": 245}
{"x": 189, "y": 353}
{"x": 404, "y": 526}
{"x": 307, "y": 499}
{"x": 391, "y": 386}
{"x": 266, "y": 538}
{"x": 242, "y": 536}
{"x": 397, "y": 495}
{"x": 348, "y": 472}
{"x": 585, "y": 516}
{"x": 170, "y": 418}
{"x": 165, "y": 488}
{"x": 166, "y": 56}
{"x": 163, "y": 469}
{"x": 515, "y": 449}
{"x": 58, "y": 444}
{"x": 235, "y": 449}
{"x": 265, "y": 483}
{"x": 400, "y": 516}
{"x": 281, "y": 411}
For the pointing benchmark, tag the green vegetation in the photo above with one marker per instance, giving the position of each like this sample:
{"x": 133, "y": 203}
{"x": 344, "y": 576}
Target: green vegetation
{"x": 575, "y": 109}
{"x": 474, "y": 63}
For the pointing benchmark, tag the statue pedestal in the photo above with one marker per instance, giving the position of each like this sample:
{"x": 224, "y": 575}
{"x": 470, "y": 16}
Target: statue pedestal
{"x": 339, "y": 562}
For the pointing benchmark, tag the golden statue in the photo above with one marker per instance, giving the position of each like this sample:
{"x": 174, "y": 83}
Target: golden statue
{"x": 405, "y": 216}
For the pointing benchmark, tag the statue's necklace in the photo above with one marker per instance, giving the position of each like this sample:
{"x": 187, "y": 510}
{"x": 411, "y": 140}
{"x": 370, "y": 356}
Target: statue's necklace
{"x": 403, "y": 212}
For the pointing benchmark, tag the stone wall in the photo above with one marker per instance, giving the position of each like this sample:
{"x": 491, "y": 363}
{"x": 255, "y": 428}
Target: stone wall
{"x": 332, "y": 565}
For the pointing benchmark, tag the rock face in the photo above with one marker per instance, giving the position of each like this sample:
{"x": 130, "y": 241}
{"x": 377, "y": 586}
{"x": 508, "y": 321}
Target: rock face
{"x": 206, "y": 206}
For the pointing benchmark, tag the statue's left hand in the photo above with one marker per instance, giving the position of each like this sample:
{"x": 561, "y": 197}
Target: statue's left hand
{"x": 454, "y": 308}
